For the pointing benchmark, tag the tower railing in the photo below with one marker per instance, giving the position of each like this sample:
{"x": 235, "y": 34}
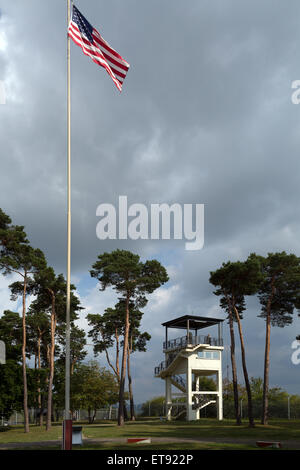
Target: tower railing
{"x": 191, "y": 340}
{"x": 162, "y": 366}
{"x": 182, "y": 343}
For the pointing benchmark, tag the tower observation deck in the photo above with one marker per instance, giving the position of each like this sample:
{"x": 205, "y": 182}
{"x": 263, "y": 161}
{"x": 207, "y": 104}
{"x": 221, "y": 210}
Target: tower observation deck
{"x": 188, "y": 358}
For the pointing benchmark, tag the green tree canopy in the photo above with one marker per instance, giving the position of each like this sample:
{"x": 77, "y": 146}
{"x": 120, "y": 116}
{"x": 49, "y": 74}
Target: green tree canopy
{"x": 93, "y": 387}
{"x": 11, "y": 388}
{"x": 11, "y": 334}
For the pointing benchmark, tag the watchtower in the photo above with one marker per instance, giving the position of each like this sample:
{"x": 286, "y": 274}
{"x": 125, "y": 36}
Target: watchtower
{"x": 187, "y": 359}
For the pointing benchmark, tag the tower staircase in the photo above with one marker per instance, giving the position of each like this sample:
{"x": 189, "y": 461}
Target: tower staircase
{"x": 178, "y": 382}
{"x": 200, "y": 402}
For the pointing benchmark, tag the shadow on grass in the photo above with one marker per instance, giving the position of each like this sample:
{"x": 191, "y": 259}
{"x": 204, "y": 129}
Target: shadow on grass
{"x": 149, "y": 447}
{"x": 205, "y": 428}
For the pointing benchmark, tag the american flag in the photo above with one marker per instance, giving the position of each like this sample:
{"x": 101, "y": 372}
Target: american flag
{"x": 93, "y": 45}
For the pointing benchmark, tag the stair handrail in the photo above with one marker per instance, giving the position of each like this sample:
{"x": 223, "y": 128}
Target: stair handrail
{"x": 179, "y": 380}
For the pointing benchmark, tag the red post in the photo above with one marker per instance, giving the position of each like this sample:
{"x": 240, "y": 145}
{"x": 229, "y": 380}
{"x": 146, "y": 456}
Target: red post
{"x": 67, "y": 434}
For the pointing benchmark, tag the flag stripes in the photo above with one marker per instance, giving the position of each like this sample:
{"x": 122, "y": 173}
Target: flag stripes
{"x": 94, "y": 46}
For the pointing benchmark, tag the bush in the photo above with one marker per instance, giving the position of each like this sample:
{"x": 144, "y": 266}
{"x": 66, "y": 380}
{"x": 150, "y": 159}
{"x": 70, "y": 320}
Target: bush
{"x": 4, "y": 428}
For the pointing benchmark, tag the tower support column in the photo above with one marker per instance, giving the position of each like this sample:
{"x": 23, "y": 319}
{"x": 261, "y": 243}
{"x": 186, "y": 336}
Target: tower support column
{"x": 168, "y": 399}
{"x": 220, "y": 396}
{"x": 190, "y": 413}
{"x": 197, "y": 379}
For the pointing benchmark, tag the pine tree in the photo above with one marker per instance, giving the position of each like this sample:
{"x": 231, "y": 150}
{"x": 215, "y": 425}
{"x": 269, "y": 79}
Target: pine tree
{"x": 131, "y": 279}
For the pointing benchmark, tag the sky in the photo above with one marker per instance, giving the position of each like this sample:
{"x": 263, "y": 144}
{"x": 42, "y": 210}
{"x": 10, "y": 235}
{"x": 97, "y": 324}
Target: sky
{"x": 205, "y": 117}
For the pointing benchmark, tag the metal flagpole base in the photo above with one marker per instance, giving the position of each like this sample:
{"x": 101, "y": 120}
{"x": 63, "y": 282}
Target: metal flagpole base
{"x": 67, "y": 434}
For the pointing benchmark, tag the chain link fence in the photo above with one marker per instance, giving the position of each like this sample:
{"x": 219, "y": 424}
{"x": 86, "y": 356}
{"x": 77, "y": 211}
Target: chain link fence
{"x": 17, "y": 418}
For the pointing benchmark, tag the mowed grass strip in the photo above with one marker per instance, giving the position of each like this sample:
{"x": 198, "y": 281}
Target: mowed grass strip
{"x": 149, "y": 447}
{"x": 209, "y": 429}
{"x": 205, "y": 428}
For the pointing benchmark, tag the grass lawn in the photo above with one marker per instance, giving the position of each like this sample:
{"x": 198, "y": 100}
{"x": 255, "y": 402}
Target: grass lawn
{"x": 209, "y": 430}
{"x": 149, "y": 447}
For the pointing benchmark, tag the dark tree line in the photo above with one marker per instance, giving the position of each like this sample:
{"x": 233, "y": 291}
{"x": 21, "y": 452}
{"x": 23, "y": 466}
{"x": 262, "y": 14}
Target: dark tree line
{"x": 38, "y": 329}
{"x": 39, "y": 334}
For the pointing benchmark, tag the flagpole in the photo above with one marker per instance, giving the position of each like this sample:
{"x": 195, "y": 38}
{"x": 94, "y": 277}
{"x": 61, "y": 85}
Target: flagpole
{"x": 67, "y": 428}
{"x": 67, "y": 371}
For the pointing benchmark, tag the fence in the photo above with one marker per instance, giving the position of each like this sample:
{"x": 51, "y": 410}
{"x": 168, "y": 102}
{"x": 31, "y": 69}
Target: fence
{"x": 104, "y": 413}
{"x": 277, "y": 409}
{"x": 17, "y": 418}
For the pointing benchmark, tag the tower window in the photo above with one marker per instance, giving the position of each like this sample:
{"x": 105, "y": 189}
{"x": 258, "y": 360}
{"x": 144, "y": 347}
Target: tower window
{"x": 209, "y": 355}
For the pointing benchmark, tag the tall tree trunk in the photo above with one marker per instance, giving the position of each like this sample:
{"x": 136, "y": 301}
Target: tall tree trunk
{"x": 36, "y": 404}
{"x": 116, "y": 372}
{"x": 39, "y": 381}
{"x": 132, "y": 413}
{"x": 117, "y": 354}
{"x": 265, "y": 403}
{"x": 116, "y": 368}
{"x": 233, "y": 364}
{"x": 73, "y": 362}
{"x": 123, "y": 368}
{"x": 247, "y": 383}
{"x": 51, "y": 371}
{"x": 46, "y": 377}
{"x": 25, "y": 400}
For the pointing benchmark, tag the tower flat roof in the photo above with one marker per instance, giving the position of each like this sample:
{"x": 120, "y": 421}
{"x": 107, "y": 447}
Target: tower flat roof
{"x": 195, "y": 322}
